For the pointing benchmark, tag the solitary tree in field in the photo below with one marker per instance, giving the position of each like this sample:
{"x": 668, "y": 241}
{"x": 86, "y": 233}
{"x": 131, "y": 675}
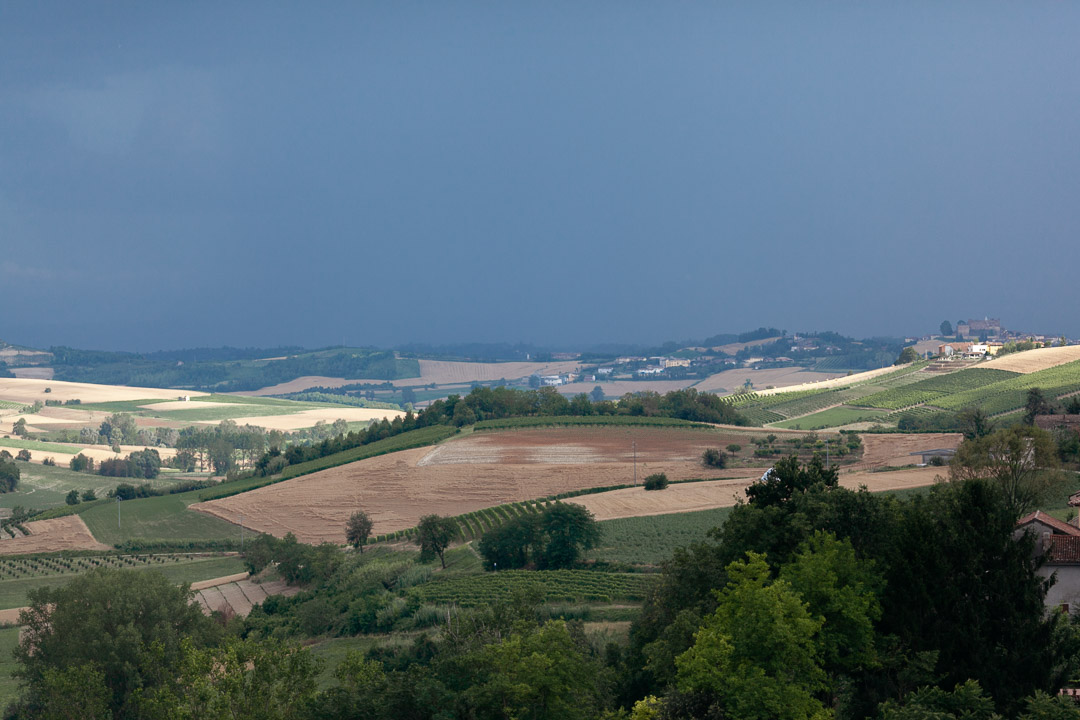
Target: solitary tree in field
{"x": 358, "y": 529}
{"x": 433, "y": 535}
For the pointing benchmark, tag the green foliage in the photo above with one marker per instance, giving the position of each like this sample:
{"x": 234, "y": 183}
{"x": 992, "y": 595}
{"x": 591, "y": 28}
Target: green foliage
{"x": 72, "y": 498}
{"x": 788, "y": 477}
{"x": 241, "y": 680}
{"x": 547, "y": 585}
{"x": 907, "y": 355}
{"x": 757, "y": 652}
{"x": 656, "y": 481}
{"x": 713, "y": 458}
{"x": 1022, "y": 461}
{"x": 434, "y": 534}
{"x": 130, "y": 625}
{"x": 9, "y": 476}
{"x": 358, "y": 529}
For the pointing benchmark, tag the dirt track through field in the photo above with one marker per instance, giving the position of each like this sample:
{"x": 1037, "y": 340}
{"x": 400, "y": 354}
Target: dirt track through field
{"x": 65, "y": 533}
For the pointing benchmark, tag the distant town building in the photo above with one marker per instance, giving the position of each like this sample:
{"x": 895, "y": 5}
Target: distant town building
{"x": 676, "y": 362}
{"x": 990, "y": 327}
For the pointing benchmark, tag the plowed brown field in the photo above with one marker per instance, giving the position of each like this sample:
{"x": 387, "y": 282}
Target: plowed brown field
{"x": 470, "y": 473}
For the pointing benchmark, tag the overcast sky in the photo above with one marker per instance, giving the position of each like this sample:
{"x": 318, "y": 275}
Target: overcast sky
{"x": 185, "y": 174}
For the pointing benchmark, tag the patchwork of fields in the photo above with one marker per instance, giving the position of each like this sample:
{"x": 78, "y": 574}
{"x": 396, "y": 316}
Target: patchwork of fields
{"x": 997, "y": 387}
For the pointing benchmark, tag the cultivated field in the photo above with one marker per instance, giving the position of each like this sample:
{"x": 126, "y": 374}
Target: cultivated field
{"x": 439, "y": 372}
{"x": 895, "y": 449}
{"x": 732, "y": 380}
{"x": 690, "y": 497}
{"x": 238, "y": 594}
{"x": 30, "y": 390}
{"x": 1031, "y": 361}
{"x": 469, "y": 473}
{"x": 836, "y": 380}
{"x": 66, "y": 533}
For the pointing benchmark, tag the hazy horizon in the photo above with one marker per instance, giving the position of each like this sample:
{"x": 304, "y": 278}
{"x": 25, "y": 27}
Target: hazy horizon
{"x": 558, "y": 174}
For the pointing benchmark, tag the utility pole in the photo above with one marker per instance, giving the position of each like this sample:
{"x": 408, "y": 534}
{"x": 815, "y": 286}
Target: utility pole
{"x": 634, "y": 443}
{"x": 241, "y": 533}
{"x": 117, "y": 512}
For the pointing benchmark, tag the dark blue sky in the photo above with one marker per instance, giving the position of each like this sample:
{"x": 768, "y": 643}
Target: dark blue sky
{"x": 182, "y": 174}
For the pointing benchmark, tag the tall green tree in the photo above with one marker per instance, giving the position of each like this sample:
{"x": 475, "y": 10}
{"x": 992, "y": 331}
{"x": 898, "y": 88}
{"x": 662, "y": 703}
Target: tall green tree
{"x": 434, "y": 534}
{"x": 568, "y": 531}
{"x": 358, "y": 529}
{"x": 758, "y": 652}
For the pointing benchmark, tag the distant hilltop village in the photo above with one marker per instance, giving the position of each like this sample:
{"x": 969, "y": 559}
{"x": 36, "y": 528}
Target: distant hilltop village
{"x": 980, "y": 338}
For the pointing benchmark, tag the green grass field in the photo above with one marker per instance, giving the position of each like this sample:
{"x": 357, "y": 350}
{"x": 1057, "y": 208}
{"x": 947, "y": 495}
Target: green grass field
{"x": 833, "y": 417}
{"x": 9, "y": 686}
{"x": 163, "y": 518}
{"x": 651, "y": 540}
{"x": 41, "y": 487}
{"x": 37, "y": 445}
{"x": 13, "y": 592}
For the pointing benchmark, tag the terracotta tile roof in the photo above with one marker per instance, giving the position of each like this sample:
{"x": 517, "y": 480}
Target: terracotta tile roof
{"x": 1064, "y": 549}
{"x": 1059, "y": 527}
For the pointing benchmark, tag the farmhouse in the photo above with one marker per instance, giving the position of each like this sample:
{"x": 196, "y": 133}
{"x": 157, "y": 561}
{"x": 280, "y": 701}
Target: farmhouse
{"x": 1059, "y": 542}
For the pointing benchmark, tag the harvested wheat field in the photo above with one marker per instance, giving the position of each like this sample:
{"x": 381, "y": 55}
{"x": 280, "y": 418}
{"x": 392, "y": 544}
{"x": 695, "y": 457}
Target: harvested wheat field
{"x": 308, "y": 418}
{"x": 896, "y": 449}
{"x": 1031, "y": 361}
{"x": 65, "y": 533}
{"x": 30, "y": 390}
{"x": 688, "y": 497}
{"x": 470, "y": 473}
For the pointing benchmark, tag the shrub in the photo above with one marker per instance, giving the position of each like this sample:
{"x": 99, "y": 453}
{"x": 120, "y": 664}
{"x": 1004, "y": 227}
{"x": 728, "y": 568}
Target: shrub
{"x": 24, "y": 454}
{"x": 656, "y": 481}
{"x": 713, "y": 458}
{"x": 733, "y": 448}
{"x": 49, "y": 462}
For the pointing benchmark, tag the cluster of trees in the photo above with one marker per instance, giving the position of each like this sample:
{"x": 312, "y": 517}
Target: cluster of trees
{"x": 144, "y": 464}
{"x": 814, "y": 599}
{"x": 551, "y": 539}
{"x": 9, "y": 474}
